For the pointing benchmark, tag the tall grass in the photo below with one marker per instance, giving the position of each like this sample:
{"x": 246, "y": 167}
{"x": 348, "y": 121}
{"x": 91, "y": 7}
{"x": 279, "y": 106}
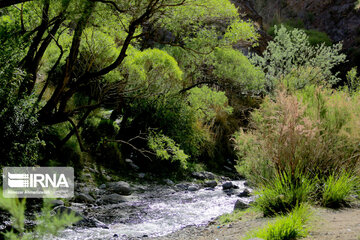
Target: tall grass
{"x": 314, "y": 131}
{"x": 337, "y": 189}
{"x": 284, "y": 193}
{"x": 297, "y": 137}
{"x": 292, "y": 226}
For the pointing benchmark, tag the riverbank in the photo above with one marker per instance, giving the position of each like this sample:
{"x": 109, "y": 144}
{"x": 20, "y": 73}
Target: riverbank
{"x": 327, "y": 224}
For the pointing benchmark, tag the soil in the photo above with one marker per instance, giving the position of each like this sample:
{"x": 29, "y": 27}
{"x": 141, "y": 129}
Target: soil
{"x": 327, "y": 224}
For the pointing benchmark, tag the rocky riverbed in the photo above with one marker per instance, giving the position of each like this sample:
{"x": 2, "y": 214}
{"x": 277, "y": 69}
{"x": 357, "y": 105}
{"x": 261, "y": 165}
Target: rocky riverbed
{"x": 119, "y": 210}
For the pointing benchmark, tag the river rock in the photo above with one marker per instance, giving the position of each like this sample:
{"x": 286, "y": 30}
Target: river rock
{"x": 193, "y": 188}
{"x": 120, "y": 187}
{"x": 84, "y": 198}
{"x": 211, "y": 183}
{"x": 112, "y": 199}
{"x": 239, "y": 205}
{"x": 66, "y": 210}
{"x": 169, "y": 182}
{"x": 102, "y": 186}
{"x": 245, "y": 193}
{"x": 227, "y": 185}
{"x": 91, "y": 223}
{"x": 203, "y": 175}
{"x": 56, "y": 203}
{"x": 132, "y": 164}
{"x": 182, "y": 186}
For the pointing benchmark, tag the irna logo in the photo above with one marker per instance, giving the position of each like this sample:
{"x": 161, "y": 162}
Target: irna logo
{"x": 36, "y": 180}
{"x": 40, "y": 182}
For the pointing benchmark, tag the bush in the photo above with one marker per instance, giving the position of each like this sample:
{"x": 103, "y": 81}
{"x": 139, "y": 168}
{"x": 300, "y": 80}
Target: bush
{"x": 288, "y": 227}
{"x": 315, "y": 37}
{"x": 285, "y": 193}
{"x": 47, "y": 224}
{"x": 290, "y": 50}
{"x": 314, "y": 131}
{"x": 166, "y": 149}
{"x": 337, "y": 189}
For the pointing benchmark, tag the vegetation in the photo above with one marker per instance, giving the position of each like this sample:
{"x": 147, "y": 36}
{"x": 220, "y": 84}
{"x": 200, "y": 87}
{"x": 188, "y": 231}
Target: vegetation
{"x": 291, "y": 50}
{"x": 163, "y": 82}
{"x": 47, "y": 224}
{"x": 291, "y": 226}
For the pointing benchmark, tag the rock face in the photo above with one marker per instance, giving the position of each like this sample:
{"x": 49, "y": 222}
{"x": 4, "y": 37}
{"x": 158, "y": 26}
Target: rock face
{"x": 338, "y": 18}
{"x": 247, "y": 10}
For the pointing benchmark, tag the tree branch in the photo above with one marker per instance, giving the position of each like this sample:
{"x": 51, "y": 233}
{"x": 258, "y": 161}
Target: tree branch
{"x": 6, "y": 3}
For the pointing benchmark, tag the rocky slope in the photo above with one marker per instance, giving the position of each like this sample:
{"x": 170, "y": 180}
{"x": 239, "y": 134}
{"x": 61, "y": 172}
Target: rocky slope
{"x": 338, "y": 18}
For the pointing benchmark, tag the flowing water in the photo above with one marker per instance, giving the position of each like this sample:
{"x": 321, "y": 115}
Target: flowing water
{"x": 164, "y": 211}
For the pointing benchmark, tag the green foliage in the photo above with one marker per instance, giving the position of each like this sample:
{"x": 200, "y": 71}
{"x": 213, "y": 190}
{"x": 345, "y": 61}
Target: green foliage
{"x": 353, "y": 80}
{"x": 232, "y": 67}
{"x": 238, "y": 215}
{"x": 47, "y": 223}
{"x": 208, "y": 104}
{"x": 172, "y": 116}
{"x": 19, "y": 127}
{"x": 292, "y": 226}
{"x": 315, "y": 37}
{"x": 166, "y": 149}
{"x": 291, "y": 50}
{"x": 337, "y": 189}
{"x": 152, "y": 72}
{"x": 284, "y": 193}
{"x": 315, "y": 127}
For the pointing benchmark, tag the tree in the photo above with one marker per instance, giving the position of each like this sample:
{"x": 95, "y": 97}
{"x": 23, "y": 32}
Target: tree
{"x": 92, "y": 48}
{"x": 291, "y": 50}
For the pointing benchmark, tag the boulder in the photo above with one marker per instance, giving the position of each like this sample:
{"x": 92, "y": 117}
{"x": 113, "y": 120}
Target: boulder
{"x": 56, "y": 203}
{"x": 182, "y": 186}
{"x": 245, "y": 193}
{"x": 239, "y": 205}
{"x": 193, "y": 188}
{"x": 198, "y": 175}
{"x": 169, "y": 182}
{"x": 120, "y": 187}
{"x": 209, "y": 175}
{"x": 66, "y": 210}
{"x": 91, "y": 223}
{"x": 211, "y": 183}
{"x": 84, "y": 198}
{"x": 112, "y": 199}
{"x": 132, "y": 164}
{"x": 227, "y": 185}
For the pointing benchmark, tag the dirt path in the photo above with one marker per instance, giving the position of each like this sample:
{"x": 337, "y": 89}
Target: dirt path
{"x": 339, "y": 224}
{"x": 327, "y": 225}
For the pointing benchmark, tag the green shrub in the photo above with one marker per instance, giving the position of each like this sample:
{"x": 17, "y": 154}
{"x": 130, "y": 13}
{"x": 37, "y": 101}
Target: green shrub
{"x": 290, "y": 50}
{"x": 337, "y": 189}
{"x": 353, "y": 80}
{"x": 169, "y": 114}
{"x": 314, "y": 131}
{"x": 292, "y": 226}
{"x": 237, "y": 215}
{"x": 315, "y": 37}
{"x": 47, "y": 223}
{"x": 166, "y": 149}
{"x": 284, "y": 193}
